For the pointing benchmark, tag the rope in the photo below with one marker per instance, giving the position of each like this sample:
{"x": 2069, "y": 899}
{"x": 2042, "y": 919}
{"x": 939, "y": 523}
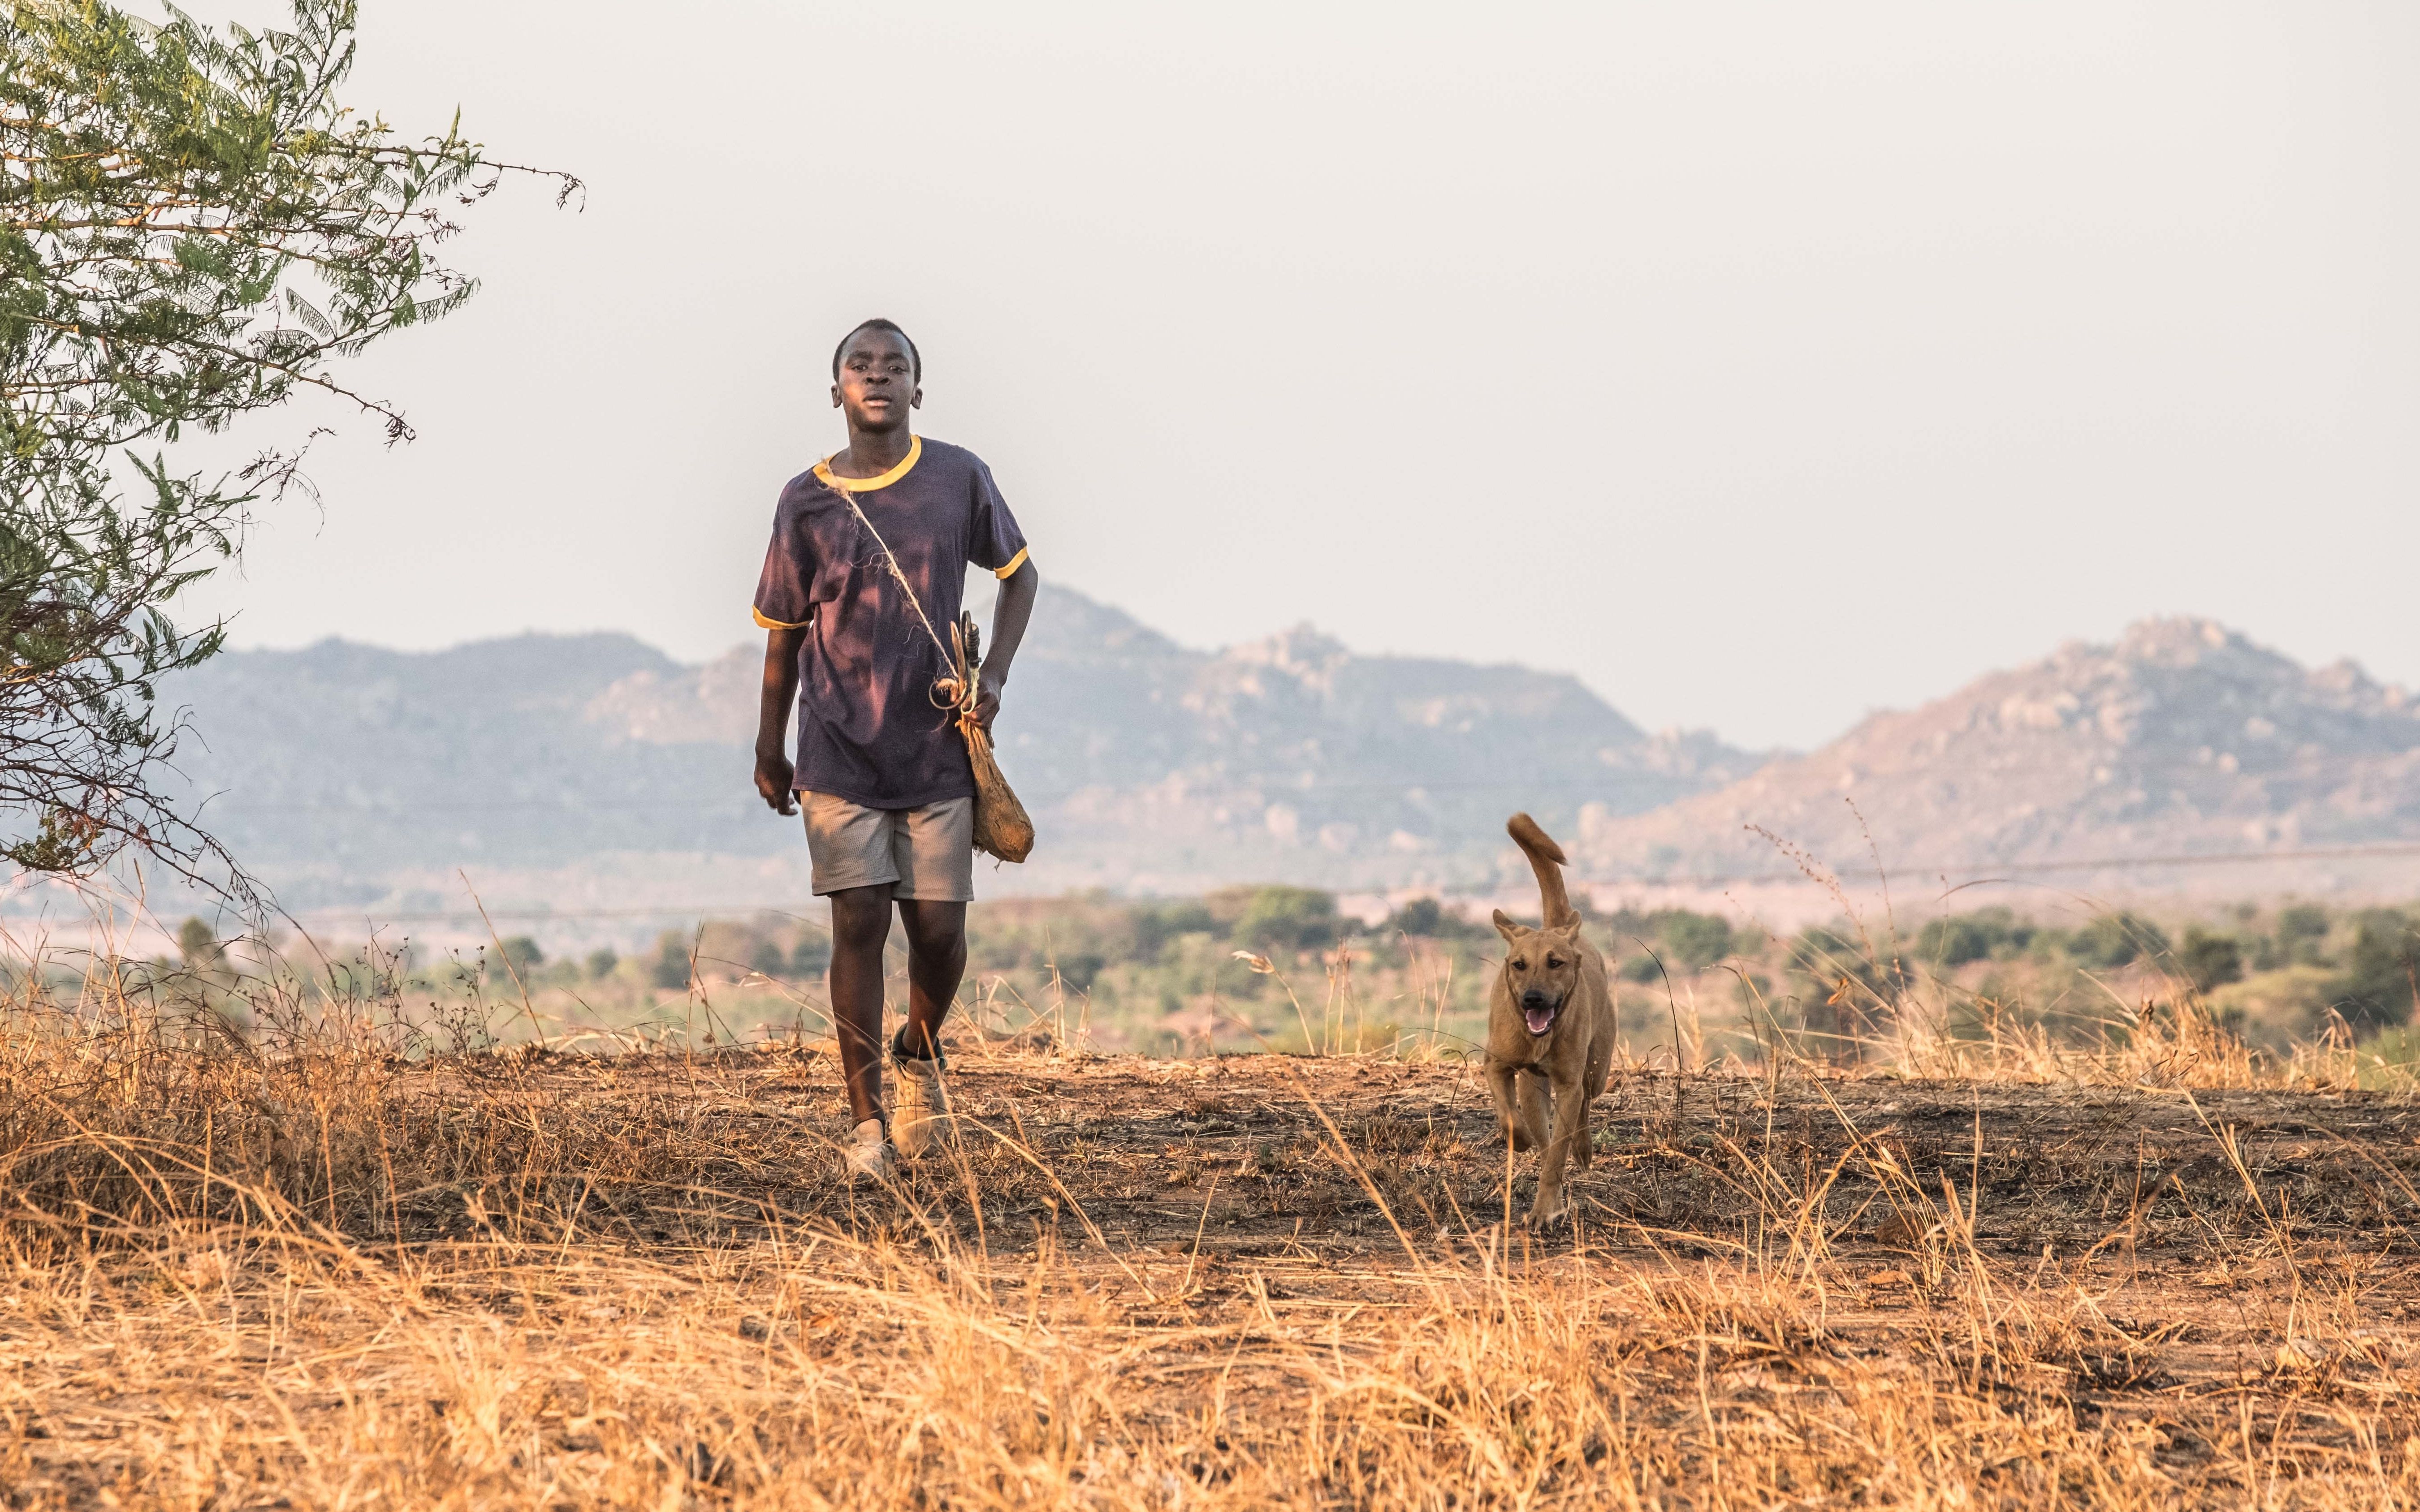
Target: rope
{"x": 965, "y": 698}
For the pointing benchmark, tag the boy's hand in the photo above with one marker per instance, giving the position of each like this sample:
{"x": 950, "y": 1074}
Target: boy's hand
{"x": 986, "y": 702}
{"x": 774, "y": 775}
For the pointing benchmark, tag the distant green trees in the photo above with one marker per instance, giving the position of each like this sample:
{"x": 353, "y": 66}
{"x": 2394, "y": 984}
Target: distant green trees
{"x": 1293, "y": 918}
{"x": 521, "y": 954}
{"x": 198, "y": 947}
{"x": 1698, "y": 940}
{"x": 735, "y": 947}
{"x": 2115, "y": 940}
{"x": 1680, "y": 938}
{"x": 1079, "y": 969}
{"x": 193, "y": 226}
{"x": 1156, "y": 924}
{"x": 1426, "y": 918}
{"x": 1958, "y": 938}
{"x": 2209, "y": 961}
{"x": 2371, "y": 956}
{"x": 671, "y": 969}
{"x": 2380, "y": 981}
{"x": 2301, "y": 932}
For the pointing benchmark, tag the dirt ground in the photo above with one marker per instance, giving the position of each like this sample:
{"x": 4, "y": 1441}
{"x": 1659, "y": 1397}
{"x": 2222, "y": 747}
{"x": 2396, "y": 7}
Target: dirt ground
{"x": 2209, "y": 1227}
{"x": 1243, "y": 1151}
{"x": 2101, "y": 1296}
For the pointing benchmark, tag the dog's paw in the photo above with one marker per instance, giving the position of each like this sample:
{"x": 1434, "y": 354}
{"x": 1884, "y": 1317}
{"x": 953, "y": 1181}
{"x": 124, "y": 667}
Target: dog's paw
{"x": 1549, "y": 1221}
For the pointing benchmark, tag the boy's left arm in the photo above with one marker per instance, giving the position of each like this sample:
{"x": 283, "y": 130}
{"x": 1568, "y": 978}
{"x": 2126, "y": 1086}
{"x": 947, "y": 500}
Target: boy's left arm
{"x": 1008, "y": 620}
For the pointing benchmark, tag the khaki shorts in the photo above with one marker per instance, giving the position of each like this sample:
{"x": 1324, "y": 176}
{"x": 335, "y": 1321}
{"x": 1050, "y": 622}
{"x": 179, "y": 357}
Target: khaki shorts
{"x": 926, "y": 853}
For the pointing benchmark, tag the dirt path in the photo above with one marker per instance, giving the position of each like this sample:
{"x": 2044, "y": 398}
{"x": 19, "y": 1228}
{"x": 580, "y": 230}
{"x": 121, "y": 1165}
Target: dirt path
{"x": 1244, "y": 1150}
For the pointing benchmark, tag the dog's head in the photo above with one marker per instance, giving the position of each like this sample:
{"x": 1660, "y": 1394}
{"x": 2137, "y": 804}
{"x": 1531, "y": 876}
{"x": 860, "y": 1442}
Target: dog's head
{"x": 1541, "y": 971}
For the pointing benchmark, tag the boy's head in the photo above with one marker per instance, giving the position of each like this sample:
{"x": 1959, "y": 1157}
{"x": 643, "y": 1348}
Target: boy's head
{"x": 877, "y": 377}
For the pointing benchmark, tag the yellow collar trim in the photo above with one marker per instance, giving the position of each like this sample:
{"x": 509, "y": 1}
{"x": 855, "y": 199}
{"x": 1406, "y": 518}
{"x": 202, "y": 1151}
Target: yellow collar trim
{"x": 915, "y": 452}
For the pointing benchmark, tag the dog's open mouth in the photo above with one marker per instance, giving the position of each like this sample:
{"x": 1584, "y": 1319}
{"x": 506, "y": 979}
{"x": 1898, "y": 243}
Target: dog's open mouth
{"x": 1540, "y": 1019}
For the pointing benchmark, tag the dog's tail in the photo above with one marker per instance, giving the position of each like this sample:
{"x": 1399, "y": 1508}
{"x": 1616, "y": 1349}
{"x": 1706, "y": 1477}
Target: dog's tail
{"x": 1546, "y": 859}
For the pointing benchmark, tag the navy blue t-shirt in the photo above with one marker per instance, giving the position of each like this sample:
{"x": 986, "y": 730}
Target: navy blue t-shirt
{"x": 868, "y": 729}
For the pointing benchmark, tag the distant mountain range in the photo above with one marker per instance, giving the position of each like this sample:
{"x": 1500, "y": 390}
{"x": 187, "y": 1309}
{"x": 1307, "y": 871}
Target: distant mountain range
{"x": 338, "y": 768}
{"x": 592, "y": 767}
{"x": 2184, "y": 743}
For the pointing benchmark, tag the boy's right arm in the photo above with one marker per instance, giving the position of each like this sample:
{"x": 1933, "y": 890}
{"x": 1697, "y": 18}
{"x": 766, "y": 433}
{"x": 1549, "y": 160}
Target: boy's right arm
{"x": 774, "y": 773}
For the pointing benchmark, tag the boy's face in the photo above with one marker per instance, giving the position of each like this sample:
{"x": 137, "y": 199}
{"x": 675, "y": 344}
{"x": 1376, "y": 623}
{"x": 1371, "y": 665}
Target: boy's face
{"x": 877, "y": 382}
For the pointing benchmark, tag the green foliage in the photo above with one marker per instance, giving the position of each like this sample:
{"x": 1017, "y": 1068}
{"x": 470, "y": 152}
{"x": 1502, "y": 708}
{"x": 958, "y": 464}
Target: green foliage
{"x": 1960, "y": 938}
{"x": 810, "y": 955}
{"x": 1683, "y": 940}
{"x": 1425, "y": 919}
{"x": 199, "y": 945}
{"x": 2115, "y": 940}
{"x": 2377, "y": 984}
{"x": 601, "y": 963}
{"x": 192, "y": 226}
{"x": 1698, "y": 940}
{"x": 671, "y": 969}
{"x": 1080, "y": 969}
{"x": 2209, "y": 961}
{"x": 522, "y": 954}
{"x": 766, "y": 959}
{"x": 1156, "y": 925}
{"x": 1301, "y": 918}
{"x": 1843, "y": 991}
{"x": 2301, "y": 934}
{"x": 1837, "y": 964}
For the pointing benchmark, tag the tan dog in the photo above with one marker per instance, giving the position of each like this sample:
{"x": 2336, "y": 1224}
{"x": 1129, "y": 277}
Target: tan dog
{"x": 1549, "y": 1027}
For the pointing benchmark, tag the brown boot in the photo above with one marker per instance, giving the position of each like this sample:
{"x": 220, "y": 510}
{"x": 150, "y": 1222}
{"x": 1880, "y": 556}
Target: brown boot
{"x": 922, "y": 1118}
{"x": 867, "y": 1159}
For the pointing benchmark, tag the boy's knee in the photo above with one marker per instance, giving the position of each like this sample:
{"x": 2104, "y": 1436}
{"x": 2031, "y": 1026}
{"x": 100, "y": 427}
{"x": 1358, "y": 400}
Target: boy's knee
{"x": 859, "y": 923}
{"x": 936, "y": 931}
{"x": 931, "y": 941}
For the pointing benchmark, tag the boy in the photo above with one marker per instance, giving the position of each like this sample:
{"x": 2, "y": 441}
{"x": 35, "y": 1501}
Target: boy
{"x": 882, "y": 772}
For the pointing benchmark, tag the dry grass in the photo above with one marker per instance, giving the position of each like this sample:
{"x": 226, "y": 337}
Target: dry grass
{"x": 305, "y": 1270}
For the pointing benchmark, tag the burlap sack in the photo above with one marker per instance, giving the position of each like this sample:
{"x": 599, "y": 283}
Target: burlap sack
{"x": 1001, "y": 826}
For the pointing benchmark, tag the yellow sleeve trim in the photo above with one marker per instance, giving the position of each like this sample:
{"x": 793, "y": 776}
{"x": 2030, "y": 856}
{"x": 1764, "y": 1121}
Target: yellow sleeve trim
{"x": 1016, "y": 561}
{"x": 915, "y": 454}
{"x": 764, "y": 624}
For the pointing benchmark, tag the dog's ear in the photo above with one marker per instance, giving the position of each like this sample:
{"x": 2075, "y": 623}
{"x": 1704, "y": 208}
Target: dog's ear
{"x": 1569, "y": 932}
{"x": 1508, "y": 927}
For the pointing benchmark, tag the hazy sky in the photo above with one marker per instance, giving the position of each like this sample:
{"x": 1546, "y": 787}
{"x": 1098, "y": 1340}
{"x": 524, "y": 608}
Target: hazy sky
{"x": 1760, "y": 364}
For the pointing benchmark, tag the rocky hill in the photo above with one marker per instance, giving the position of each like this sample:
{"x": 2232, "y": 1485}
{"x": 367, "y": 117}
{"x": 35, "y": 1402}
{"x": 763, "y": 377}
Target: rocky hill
{"x": 2183, "y": 739}
{"x": 339, "y": 769}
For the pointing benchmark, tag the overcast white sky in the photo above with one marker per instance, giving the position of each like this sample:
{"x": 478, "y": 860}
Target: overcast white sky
{"x": 1760, "y": 364}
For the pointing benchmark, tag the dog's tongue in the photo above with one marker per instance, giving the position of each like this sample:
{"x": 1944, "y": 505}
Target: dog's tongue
{"x": 1539, "y": 1019}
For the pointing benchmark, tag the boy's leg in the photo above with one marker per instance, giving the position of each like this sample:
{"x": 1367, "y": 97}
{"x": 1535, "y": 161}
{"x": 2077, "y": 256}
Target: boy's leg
{"x": 933, "y": 851}
{"x": 936, "y": 958}
{"x": 861, "y": 925}
{"x": 937, "y": 962}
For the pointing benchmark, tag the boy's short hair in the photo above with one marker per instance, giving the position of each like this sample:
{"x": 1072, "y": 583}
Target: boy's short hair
{"x": 915, "y": 362}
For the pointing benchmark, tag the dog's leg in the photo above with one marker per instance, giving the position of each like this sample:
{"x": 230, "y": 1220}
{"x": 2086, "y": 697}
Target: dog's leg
{"x": 1537, "y": 1110}
{"x": 1508, "y": 1109}
{"x": 1571, "y": 1126}
{"x": 1600, "y": 1063}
